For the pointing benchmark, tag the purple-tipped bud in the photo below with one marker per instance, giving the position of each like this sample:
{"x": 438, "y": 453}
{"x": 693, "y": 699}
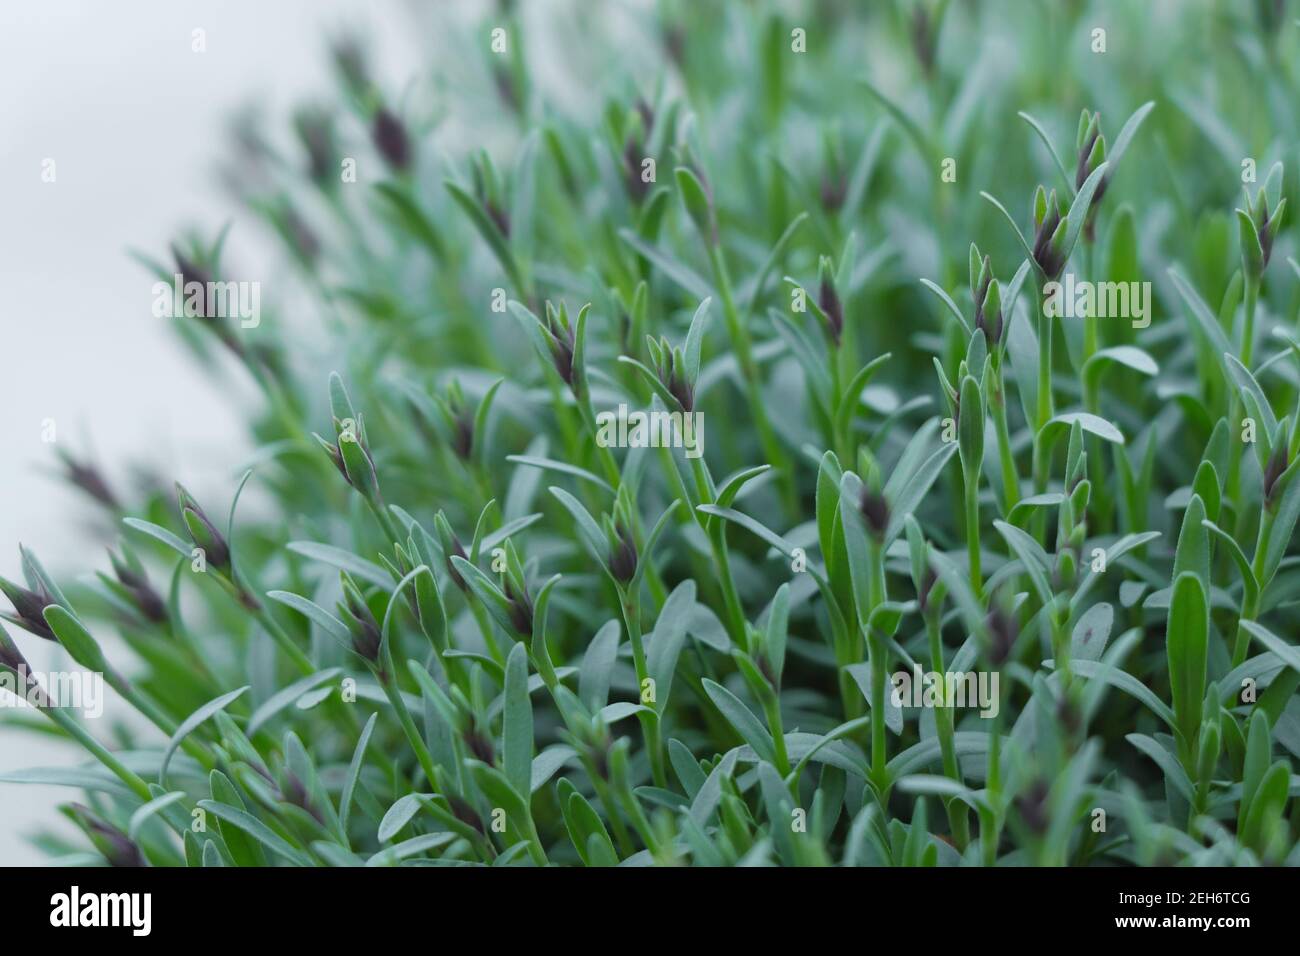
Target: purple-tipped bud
{"x": 875, "y": 511}
{"x": 1002, "y": 635}
{"x": 622, "y": 557}
{"x": 147, "y": 601}
{"x": 1273, "y": 470}
{"x": 390, "y": 138}
{"x": 191, "y": 272}
{"x": 466, "y": 814}
{"x": 479, "y": 745}
{"x": 367, "y": 638}
{"x": 829, "y": 301}
{"x": 29, "y": 607}
{"x": 118, "y": 848}
{"x": 1047, "y": 217}
{"x": 520, "y": 609}
{"x": 560, "y": 337}
{"x": 1032, "y": 807}
{"x": 85, "y": 476}
{"x": 202, "y": 531}
{"x": 927, "y": 586}
{"x": 923, "y": 38}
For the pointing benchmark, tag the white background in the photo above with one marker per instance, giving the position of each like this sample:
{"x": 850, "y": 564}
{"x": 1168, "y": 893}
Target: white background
{"x": 136, "y": 122}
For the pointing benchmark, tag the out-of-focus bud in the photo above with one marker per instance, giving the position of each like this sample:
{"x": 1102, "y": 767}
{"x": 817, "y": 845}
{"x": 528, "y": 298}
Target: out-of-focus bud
{"x": 1260, "y": 222}
{"x": 924, "y": 38}
{"x": 350, "y": 61}
{"x": 390, "y": 137}
{"x": 85, "y": 476}
{"x": 132, "y": 577}
{"x": 488, "y": 191}
{"x": 1031, "y": 806}
{"x": 117, "y": 848}
{"x": 315, "y": 129}
{"x": 828, "y": 300}
{"x": 1003, "y": 632}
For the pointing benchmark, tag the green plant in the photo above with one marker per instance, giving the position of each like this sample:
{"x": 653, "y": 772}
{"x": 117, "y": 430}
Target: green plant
{"x": 420, "y": 655}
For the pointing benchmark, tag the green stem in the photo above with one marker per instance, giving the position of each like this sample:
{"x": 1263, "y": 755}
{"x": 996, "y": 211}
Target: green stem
{"x": 631, "y": 605}
{"x": 99, "y": 751}
{"x": 718, "y": 543}
{"x": 740, "y": 341}
{"x": 394, "y": 695}
{"x": 958, "y": 820}
{"x": 1010, "y": 477}
{"x": 971, "y": 487}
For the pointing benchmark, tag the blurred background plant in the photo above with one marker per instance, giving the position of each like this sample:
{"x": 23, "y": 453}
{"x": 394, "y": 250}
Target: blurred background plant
{"x": 453, "y": 599}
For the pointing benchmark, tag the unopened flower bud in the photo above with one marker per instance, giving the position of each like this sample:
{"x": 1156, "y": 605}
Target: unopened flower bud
{"x": 390, "y": 138}
{"x": 29, "y": 607}
{"x": 202, "y": 531}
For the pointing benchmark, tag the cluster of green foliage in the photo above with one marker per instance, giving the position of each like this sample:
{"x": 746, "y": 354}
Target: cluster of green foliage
{"x": 463, "y": 631}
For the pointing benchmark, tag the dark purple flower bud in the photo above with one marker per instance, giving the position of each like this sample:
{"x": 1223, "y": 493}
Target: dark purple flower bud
{"x": 622, "y": 557}
{"x": 463, "y": 812}
{"x": 1264, "y": 232}
{"x": 463, "y": 436}
{"x": 367, "y": 638}
{"x": 293, "y": 791}
{"x": 10, "y": 656}
{"x": 118, "y": 848}
{"x": 83, "y": 475}
{"x": 389, "y": 136}
{"x": 1049, "y": 261}
{"x": 191, "y": 272}
{"x": 1032, "y": 807}
{"x": 875, "y": 511}
{"x": 923, "y": 41}
{"x": 1273, "y": 470}
{"x": 832, "y": 192}
{"x": 829, "y": 301}
{"x": 923, "y": 593}
{"x": 560, "y": 337}
{"x": 479, "y": 745}
{"x": 28, "y": 608}
{"x": 1002, "y": 635}
{"x": 520, "y": 609}
{"x": 147, "y": 601}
